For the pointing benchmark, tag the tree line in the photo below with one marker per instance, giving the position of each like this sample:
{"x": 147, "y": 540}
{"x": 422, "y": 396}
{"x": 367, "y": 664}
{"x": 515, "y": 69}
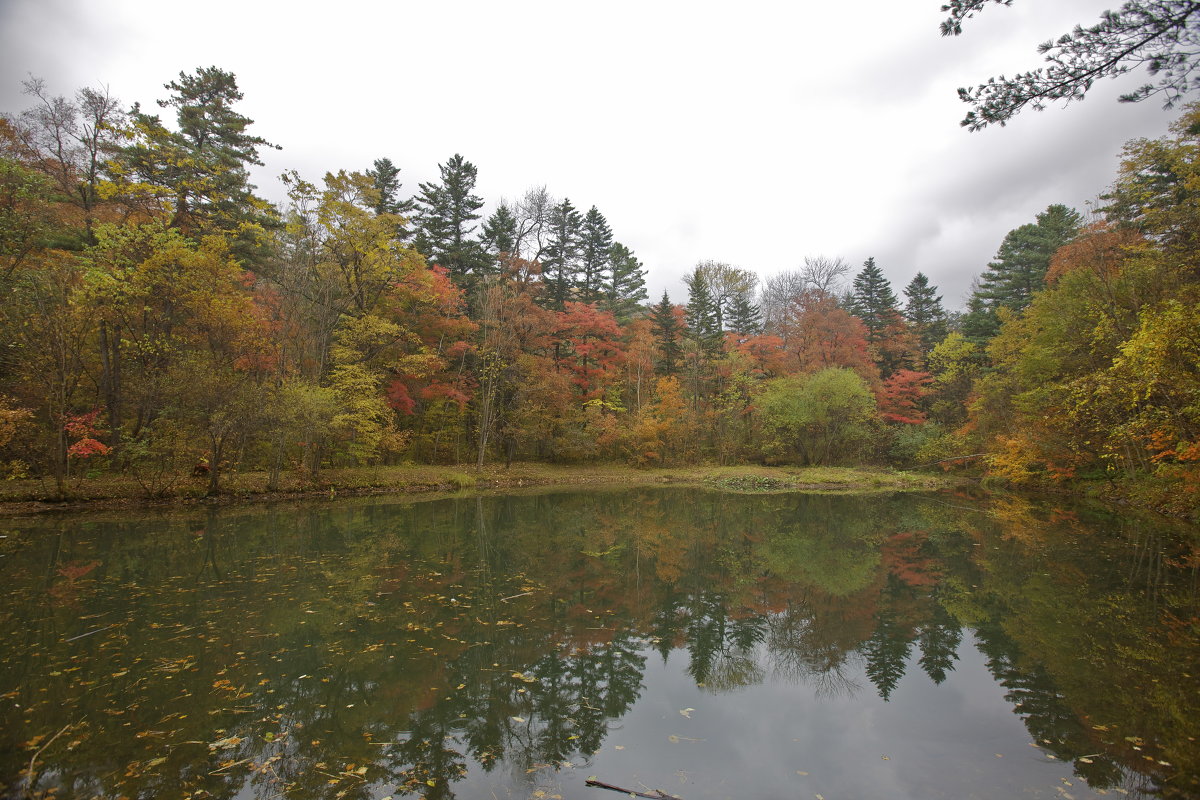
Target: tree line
{"x": 162, "y": 319}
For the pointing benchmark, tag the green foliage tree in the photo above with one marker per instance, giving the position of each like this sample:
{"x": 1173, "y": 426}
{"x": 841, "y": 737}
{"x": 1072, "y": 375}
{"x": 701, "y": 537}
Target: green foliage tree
{"x": 595, "y": 245}
{"x": 667, "y": 334}
{"x": 823, "y": 418}
{"x": 199, "y": 171}
{"x": 560, "y": 264}
{"x": 745, "y": 317}
{"x": 500, "y": 232}
{"x": 1019, "y": 269}
{"x": 872, "y": 300}
{"x": 445, "y": 213}
{"x": 888, "y": 336}
{"x": 1158, "y": 34}
{"x": 385, "y": 176}
{"x": 701, "y": 315}
{"x": 924, "y": 312}
{"x": 626, "y": 289}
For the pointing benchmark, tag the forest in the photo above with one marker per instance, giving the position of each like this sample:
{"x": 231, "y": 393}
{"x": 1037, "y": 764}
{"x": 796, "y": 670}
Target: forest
{"x": 163, "y": 321}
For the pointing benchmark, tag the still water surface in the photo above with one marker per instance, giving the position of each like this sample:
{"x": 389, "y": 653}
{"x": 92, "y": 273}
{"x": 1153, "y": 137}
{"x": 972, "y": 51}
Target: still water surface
{"x": 708, "y": 645}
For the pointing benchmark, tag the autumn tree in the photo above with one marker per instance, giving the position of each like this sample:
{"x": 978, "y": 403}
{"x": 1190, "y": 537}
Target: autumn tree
{"x": 726, "y": 285}
{"x": 818, "y": 334}
{"x": 533, "y": 226}
{"x": 592, "y": 347}
{"x": 821, "y": 275}
{"x": 69, "y": 140}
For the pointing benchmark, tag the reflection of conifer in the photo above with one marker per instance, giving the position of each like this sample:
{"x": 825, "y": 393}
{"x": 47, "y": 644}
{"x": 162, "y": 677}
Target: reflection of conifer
{"x": 1036, "y": 699}
{"x": 886, "y": 653}
{"x": 939, "y": 640}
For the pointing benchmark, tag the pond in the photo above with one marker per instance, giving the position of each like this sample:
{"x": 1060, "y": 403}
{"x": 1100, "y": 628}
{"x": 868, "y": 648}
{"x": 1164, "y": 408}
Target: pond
{"x": 703, "y": 644}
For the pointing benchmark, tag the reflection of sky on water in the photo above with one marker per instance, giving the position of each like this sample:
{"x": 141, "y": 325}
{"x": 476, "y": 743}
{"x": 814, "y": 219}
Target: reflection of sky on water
{"x": 542, "y": 621}
{"x": 957, "y": 740}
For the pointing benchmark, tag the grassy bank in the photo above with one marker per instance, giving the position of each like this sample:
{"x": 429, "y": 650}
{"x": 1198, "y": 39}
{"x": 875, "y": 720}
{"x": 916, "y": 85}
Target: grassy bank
{"x": 116, "y": 490}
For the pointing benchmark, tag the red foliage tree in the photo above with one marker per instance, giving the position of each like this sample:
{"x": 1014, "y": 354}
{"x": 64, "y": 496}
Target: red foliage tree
{"x": 590, "y": 347}
{"x": 900, "y": 395}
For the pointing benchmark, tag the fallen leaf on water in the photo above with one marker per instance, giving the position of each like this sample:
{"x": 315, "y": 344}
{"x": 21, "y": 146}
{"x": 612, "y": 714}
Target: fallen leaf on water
{"x": 618, "y": 747}
{"x": 801, "y": 772}
{"x": 687, "y": 712}
{"x": 518, "y": 719}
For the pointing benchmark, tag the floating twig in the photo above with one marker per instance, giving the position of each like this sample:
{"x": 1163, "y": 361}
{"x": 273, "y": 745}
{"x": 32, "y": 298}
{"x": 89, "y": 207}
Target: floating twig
{"x": 30, "y": 777}
{"x": 89, "y": 633}
{"x": 654, "y": 794}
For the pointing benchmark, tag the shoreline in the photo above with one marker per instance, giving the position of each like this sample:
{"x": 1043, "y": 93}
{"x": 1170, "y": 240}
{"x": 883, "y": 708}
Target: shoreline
{"x": 21, "y": 498}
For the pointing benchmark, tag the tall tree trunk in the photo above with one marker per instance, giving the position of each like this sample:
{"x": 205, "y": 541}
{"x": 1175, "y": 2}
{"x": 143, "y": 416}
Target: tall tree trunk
{"x": 110, "y": 382}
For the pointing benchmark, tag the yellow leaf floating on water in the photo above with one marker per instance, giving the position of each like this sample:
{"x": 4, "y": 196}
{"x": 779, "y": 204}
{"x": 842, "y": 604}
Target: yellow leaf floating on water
{"x": 518, "y": 719}
{"x": 801, "y": 772}
{"x": 687, "y": 712}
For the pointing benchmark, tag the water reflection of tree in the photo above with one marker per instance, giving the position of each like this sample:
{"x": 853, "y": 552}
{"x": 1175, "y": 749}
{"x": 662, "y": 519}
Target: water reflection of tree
{"x": 802, "y": 651}
{"x": 347, "y": 618}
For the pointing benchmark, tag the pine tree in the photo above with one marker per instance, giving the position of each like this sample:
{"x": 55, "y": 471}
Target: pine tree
{"x": 626, "y": 290}
{"x": 980, "y": 324}
{"x": 595, "y": 242}
{"x": 445, "y": 213}
{"x": 704, "y": 326}
{"x": 924, "y": 312}
{"x": 745, "y": 317}
{"x": 1024, "y": 256}
{"x": 560, "y": 265}
{"x": 201, "y": 168}
{"x": 500, "y": 232}
{"x": 385, "y": 177}
{"x": 872, "y": 300}
{"x": 667, "y": 332}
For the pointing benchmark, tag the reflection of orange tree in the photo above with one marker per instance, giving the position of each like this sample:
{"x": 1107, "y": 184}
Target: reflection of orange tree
{"x": 375, "y": 648}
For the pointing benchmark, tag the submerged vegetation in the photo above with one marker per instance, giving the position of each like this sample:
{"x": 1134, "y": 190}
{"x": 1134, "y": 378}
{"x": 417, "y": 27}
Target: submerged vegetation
{"x": 166, "y": 327}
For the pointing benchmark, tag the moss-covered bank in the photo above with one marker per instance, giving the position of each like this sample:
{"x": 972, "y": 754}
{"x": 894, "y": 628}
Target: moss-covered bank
{"x": 118, "y": 491}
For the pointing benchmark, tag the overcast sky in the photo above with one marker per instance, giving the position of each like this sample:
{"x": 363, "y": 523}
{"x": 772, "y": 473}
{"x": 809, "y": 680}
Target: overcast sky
{"x": 753, "y": 133}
